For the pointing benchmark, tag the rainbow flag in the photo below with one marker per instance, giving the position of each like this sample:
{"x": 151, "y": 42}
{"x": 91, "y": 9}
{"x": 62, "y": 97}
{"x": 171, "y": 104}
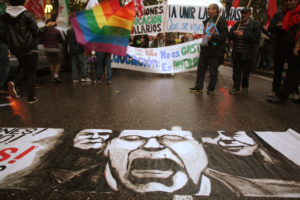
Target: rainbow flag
{"x": 106, "y": 27}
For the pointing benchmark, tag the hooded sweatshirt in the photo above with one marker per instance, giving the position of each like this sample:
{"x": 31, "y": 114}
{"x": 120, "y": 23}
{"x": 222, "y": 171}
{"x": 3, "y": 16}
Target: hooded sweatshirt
{"x": 22, "y": 31}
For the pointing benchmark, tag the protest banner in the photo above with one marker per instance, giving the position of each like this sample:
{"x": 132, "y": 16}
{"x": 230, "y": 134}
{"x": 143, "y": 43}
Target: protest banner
{"x": 188, "y": 19}
{"x": 36, "y": 7}
{"x": 151, "y": 22}
{"x": 172, "y": 59}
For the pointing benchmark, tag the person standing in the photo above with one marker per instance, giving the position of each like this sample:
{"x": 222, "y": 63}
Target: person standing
{"x": 77, "y": 57}
{"x": 51, "y": 41}
{"x": 285, "y": 25}
{"x": 246, "y": 36}
{"x": 21, "y": 36}
{"x": 4, "y": 61}
{"x": 212, "y": 50}
{"x": 283, "y": 28}
{"x": 92, "y": 63}
{"x": 296, "y": 52}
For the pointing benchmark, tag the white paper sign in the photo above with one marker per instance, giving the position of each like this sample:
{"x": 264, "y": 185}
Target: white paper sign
{"x": 151, "y": 22}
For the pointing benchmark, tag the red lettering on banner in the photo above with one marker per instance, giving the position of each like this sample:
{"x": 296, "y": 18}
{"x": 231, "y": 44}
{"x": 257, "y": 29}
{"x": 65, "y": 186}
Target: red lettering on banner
{"x": 149, "y": 52}
{"x": 5, "y": 155}
{"x": 22, "y": 154}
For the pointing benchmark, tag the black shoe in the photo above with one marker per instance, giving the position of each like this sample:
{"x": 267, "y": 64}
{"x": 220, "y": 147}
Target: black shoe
{"x": 296, "y": 101}
{"x": 197, "y": 90}
{"x": 56, "y": 79}
{"x": 34, "y": 100}
{"x": 276, "y": 99}
{"x": 234, "y": 91}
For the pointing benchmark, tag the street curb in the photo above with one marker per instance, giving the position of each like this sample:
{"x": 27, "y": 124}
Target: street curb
{"x": 268, "y": 73}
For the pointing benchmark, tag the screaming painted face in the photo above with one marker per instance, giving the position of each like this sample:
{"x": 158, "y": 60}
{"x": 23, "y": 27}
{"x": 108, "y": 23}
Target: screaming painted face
{"x": 155, "y": 160}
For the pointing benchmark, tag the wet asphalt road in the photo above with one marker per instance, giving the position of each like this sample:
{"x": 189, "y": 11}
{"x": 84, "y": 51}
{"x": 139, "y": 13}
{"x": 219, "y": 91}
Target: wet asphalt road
{"x": 137, "y": 100}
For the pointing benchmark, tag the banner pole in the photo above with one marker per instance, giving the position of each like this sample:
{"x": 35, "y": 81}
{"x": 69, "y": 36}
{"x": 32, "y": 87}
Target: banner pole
{"x": 241, "y": 20}
{"x": 220, "y": 15}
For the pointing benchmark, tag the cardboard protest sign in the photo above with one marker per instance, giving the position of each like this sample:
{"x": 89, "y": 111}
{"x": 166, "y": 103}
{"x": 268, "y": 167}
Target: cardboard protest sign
{"x": 151, "y": 22}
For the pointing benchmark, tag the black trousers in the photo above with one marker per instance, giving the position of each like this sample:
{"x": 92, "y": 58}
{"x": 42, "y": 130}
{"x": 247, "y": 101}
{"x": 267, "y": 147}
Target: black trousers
{"x": 211, "y": 63}
{"x": 281, "y": 54}
{"x": 27, "y": 64}
{"x": 292, "y": 77}
{"x": 241, "y": 71}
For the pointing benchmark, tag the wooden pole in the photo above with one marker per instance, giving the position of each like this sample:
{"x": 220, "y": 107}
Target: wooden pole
{"x": 220, "y": 15}
{"x": 241, "y": 20}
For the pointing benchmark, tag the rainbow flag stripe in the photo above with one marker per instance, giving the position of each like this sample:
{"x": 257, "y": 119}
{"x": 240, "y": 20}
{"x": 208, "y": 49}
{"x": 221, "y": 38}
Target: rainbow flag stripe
{"x": 106, "y": 27}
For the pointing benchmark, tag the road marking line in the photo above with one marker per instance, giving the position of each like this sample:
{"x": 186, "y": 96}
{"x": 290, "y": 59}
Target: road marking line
{"x": 5, "y": 104}
{"x": 255, "y": 75}
{"x": 262, "y": 77}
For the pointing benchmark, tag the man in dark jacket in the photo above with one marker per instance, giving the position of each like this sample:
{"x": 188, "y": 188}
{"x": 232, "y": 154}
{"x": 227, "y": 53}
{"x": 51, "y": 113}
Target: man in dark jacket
{"x": 246, "y": 36}
{"x": 4, "y": 62}
{"x": 283, "y": 28}
{"x": 212, "y": 49}
{"x": 77, "y": 57}
{"x": 21, "y": 36}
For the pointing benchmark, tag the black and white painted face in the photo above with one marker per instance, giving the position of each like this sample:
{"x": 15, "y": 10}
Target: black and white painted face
{"x": 155, "y": 160}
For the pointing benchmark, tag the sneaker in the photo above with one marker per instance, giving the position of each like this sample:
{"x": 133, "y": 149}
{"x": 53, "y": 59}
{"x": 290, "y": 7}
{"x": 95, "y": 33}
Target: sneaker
{"x": 210, "y": 92}
{"x": 296, "y": 101}
{"x": 275, "y": 99}
{"x": 86, "y": 79}
{"x": 234, "y": 91}
{"x": 294, "y": 96}
{"x": 194, "y": 89}
{"x": 12, "y": 90}
{"x": 271, "y": 94}
{"x": 56, "y": 79}
{"x": 75, "y": 81}
{"x": 34, "y": 100}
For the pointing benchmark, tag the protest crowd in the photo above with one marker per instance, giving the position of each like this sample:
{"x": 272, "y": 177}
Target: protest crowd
{"x": 276, "y": 43}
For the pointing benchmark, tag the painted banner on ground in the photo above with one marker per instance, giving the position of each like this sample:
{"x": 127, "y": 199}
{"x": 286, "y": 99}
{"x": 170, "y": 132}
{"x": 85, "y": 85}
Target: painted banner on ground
{"x": 188, "y": 19}
{"x": 151, "y": 22}
{"x": 175, "y": 161}
{"x": 22, "y": 148}
{"x": 172, "y": 59}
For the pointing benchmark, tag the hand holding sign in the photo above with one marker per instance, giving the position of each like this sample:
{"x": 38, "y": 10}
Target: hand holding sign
{"x": 212, "y": 29}
{"x": 238, "y": 33}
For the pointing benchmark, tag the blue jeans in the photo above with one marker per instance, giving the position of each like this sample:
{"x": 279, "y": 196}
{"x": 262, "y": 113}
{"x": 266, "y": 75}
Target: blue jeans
{"x": 102, "y": 60}
{"x": 78, "y": 59}
{"x": 4, "y": 64}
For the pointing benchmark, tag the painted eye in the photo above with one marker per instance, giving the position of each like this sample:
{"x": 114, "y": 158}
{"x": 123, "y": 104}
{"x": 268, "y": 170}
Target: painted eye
{"x": 132, "y": 138}
{"x": 173, "y": 138}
